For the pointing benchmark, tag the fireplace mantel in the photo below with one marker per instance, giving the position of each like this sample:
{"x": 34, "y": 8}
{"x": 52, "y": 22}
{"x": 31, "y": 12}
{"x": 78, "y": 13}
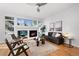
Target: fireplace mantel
{"x": 25, "y": 28}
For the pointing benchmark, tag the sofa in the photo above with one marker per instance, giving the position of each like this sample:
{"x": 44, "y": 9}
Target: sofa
{"x": 55, "y": 37}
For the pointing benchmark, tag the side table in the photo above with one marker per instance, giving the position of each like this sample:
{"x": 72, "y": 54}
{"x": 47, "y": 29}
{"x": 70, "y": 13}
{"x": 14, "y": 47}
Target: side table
{"x": 37, "y": 41}
{"x": 69, "y": 41}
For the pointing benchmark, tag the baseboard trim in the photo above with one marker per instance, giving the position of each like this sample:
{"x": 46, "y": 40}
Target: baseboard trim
{"x": 74, "y": 45}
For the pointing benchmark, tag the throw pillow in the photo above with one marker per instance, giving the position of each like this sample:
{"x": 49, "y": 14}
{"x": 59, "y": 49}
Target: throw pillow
{"x": 57, "y": 35}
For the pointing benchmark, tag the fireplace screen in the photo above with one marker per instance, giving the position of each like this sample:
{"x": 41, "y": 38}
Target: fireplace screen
{"x": 33, "y": 33}
{"x": 22, "y": 33}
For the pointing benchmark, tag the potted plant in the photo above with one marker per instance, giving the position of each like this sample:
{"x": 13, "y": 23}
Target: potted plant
{"x": 43, "y": 29}
{"x": 43, "y": 34}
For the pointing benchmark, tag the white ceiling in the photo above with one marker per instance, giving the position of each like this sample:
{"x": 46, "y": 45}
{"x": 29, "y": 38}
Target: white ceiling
{"x": 26, "y": 9}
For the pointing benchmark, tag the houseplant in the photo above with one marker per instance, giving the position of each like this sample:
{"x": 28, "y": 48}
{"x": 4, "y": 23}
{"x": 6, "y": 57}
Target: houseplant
{"x": 43, "y": 29}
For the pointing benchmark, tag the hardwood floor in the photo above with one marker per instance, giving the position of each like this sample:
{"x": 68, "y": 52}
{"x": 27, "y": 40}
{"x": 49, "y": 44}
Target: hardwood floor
{"x": 63, "y": 50}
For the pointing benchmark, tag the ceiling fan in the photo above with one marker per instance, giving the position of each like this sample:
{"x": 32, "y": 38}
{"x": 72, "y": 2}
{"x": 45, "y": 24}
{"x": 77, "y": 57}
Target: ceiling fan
{"x": 39, "y": 5}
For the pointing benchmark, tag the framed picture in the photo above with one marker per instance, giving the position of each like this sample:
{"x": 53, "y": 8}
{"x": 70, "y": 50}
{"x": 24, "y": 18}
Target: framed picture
{"x": 51, "y": 27}
{"x": 58, "y": 26}
{"x": 55, "y": 26}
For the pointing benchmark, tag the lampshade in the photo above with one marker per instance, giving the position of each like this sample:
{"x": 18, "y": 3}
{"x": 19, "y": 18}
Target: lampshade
{"x": 67, "y": 35}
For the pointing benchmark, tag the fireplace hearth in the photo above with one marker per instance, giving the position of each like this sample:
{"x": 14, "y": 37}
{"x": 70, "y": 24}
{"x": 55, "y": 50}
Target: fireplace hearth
{"x": 32, "y": 33}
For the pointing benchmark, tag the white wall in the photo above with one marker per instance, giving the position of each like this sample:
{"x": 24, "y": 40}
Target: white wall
{"x": 70, "y": 18}
{"x": 2, "y": 28}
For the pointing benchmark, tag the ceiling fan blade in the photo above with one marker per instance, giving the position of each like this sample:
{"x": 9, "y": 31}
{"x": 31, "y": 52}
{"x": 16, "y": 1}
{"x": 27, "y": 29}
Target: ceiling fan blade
{"x": 41, "y": 4}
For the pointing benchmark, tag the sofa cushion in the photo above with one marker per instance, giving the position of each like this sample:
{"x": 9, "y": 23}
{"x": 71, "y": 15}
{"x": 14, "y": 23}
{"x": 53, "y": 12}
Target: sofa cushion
{"x": 57, "y": 35}
{"x": 52, "y": 34}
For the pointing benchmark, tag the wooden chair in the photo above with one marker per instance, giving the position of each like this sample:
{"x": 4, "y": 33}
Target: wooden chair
{"x": 16, "y": 49}
{"x": 14, "y": 37}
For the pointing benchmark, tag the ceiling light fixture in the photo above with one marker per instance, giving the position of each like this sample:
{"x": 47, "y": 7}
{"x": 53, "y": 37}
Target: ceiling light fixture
{"x": 39, "y": 5}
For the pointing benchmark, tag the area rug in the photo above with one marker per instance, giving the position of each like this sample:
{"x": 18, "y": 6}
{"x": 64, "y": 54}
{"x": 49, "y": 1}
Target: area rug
{"x": 42, "y": 49}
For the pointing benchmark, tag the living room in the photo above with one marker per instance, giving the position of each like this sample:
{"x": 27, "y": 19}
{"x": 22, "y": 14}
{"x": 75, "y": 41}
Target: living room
{"x": 35, "y": 23}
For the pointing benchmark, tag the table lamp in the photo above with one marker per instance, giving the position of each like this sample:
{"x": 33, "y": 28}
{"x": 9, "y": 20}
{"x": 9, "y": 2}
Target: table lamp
{"x": 67, "y": 35}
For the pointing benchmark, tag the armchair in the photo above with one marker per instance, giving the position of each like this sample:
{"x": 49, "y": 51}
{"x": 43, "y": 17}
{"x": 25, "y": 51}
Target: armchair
{"x": 16, "y": 49}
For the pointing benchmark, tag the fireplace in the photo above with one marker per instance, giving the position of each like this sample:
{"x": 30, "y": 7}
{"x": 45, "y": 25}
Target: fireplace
{"x": 32, "y": 33}
{"x": 22, "y": 33}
